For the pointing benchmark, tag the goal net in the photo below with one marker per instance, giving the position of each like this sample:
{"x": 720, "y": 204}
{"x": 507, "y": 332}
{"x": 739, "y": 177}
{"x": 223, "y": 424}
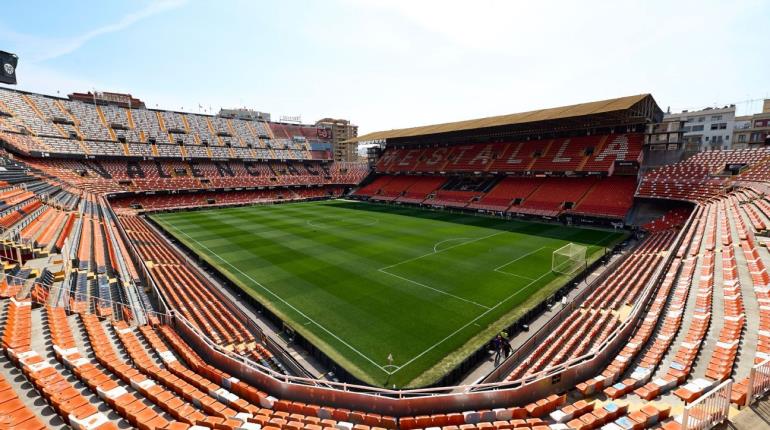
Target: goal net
{"x": 569, "y": 259}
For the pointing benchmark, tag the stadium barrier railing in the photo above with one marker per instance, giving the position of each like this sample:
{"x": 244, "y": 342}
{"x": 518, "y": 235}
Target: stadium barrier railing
{"x": 58, "y": 297}
{"x": 506, "y": 367}
{"x": 583, "y": 366}
{"x": 401, "y": 402}
{"x": 144, "y": 272}
{"x": 613, "y": 342}
{"x": 759, "y": 382}
{"x": 283, "y": 356}
{"x": 709, "y": 410}
{"x": 427, "y": 400}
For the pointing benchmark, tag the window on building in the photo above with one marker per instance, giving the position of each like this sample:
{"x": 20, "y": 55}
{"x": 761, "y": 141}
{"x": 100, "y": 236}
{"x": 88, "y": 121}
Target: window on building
{"x": 701, "y": 118}
{"x": 716, "y": 118}
{"x": 715, "y": 126}
{"x": 697, "y": 128}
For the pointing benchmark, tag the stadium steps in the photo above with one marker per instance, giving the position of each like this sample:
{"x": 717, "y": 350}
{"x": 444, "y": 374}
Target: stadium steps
{"x": 662, "y": 324}
{"x": 717, "y": 314}
{"x": 75, "y": 120}
{"x": 80, "y": 336}
{"x": 160, "y": 404}
{"x": 534, "y": 160}
{"x": 161, "y": 123}
{"x": 146, "y": 347}
{"x": 23, "y": 389}
{"x": 109, "y": 129}
{"x": 748, "y": 345}
{"x": 187, "y": 128}
{"x": 40, "y": 115}
{"x": 76, "y": 123}
{"x": 687, "y": 316}
{"x": 196, "y": 404}
{"x": 597, "y": 150}
{"x": 40, "y": 324}
{"x": 587, "y": 193}
{"x": 132, "y": 125}
{"x": 112, "y": 337}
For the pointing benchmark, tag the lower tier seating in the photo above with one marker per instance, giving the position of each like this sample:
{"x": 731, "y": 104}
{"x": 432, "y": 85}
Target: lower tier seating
{"x": 199, "y": 199}
{"x": 115, "y": 176}
{"x": 610, "y": 197}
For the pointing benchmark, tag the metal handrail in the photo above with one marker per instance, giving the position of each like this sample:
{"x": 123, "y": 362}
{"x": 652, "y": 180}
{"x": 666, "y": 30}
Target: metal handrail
{"x": 712, "y": 408}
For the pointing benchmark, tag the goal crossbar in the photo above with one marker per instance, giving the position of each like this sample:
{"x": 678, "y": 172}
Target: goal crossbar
{"x": 569, "y": 259}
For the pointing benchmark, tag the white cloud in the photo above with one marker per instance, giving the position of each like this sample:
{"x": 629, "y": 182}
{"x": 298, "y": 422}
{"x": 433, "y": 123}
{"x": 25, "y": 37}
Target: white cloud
{"x": 398, "y": 63}
{"x": 495, "y": 57}
{"x": 39, "y": 78}
{"x": 39, "y": 49}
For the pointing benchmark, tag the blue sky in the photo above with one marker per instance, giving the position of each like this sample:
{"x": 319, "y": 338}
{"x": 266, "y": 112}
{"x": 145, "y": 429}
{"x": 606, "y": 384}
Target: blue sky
{"x": 393, "y": 63}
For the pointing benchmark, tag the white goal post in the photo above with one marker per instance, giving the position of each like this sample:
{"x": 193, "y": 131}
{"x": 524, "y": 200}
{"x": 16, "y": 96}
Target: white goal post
{"x": 569, "y": 259}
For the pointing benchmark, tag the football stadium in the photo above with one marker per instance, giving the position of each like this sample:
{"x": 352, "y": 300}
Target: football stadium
{"x": 590, "y": 265}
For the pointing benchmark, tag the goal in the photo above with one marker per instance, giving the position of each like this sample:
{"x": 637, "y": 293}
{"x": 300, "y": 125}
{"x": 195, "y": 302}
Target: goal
{"x": 569, "y": 259}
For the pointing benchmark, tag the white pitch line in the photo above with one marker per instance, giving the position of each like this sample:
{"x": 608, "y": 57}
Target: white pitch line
{"x": 398, "y": 368}
{"x": 285, "y": 302}
{"x": 448, "y": 240}
{"x": 409, "y": 260}
{"x": 473, "y": 321}
{"x": 434, "y": 289}
{"x": 513, "y": 274}
{"x": 497, "y": 269}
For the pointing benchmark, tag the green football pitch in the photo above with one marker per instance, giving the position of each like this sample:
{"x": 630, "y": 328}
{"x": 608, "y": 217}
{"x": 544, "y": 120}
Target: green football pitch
{"x": 363, "y": 281}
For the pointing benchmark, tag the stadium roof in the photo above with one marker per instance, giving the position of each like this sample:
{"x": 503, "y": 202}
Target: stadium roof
{"x": 557, "y": 113}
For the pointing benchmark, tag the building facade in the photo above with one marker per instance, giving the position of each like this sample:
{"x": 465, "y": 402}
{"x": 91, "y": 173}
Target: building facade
{"x": 340, "y": 131}
{"x": 751, "y": 130}
{"x": 245, "y": 114}
{"x": 664, "y": 142}
{"x": 707, "y": 129}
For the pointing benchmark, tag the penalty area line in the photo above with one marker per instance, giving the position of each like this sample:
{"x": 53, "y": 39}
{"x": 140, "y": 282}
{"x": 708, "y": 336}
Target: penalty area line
{"x": 257, "y": 283}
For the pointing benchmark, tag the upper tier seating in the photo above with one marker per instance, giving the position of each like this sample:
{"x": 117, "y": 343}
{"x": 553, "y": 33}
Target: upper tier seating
{"x": 579, "y": 154}
{"x": 74, "y": 127}
{"x": 197, "y": 200}
{"x": 115, "y": 175}
{"x": 701, "y": 177}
